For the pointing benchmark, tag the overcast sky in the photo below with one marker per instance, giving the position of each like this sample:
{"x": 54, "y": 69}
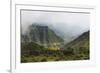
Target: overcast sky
{"x": 68, "y": 25}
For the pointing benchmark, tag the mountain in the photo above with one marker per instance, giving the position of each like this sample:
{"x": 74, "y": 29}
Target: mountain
{"x": 81, "y": 41}
{"x": 79, "y": 46}
{"x": 42, "y": 35}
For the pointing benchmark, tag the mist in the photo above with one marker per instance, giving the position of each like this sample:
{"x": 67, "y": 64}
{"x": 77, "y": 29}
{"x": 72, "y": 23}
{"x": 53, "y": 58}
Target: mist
{"x": 66, "y": 25}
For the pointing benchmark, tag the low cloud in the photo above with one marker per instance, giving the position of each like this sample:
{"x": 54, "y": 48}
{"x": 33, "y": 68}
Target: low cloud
{"x": 66, "y": 25}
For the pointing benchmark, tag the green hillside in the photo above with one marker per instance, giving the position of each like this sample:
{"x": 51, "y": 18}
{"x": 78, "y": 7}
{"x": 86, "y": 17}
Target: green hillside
{"x": 81, "y": 41}
{"x": 42, "y": 35}
{"x": 40, "y": 44}
{"x": 80, "y": 46}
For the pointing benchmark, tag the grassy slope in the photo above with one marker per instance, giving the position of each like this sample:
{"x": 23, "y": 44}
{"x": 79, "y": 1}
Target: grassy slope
{"x": 80, "y": 46}
{"x": 81, "y": 41}
{"x": 54, "y": 40}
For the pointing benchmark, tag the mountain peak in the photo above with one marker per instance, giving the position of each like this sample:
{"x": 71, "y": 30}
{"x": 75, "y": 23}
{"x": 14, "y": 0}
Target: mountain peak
{"x": 44, "y": 36}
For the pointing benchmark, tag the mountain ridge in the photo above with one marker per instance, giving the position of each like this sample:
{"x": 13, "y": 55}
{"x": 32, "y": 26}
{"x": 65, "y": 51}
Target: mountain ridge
{"x": 42, "y": 35}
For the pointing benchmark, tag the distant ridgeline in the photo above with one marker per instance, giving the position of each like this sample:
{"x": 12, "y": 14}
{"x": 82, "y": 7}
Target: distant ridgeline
{"x": 42, "y": 35}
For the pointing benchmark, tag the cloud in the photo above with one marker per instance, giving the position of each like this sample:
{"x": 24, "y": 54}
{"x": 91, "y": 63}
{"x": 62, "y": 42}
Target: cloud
{"x": 67, "y": 25}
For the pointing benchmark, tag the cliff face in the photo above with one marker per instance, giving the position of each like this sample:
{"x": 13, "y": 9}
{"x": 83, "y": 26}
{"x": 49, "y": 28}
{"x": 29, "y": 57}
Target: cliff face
{"x": 38, "y": 34}
{"x": 42, "y": 35}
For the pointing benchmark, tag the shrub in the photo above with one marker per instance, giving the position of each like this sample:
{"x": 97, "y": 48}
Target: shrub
{"x": 68, "y": 51}
{"x": 43, "y": 60}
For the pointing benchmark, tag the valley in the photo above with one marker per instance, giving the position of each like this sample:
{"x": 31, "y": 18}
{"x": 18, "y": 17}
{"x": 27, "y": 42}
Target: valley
{"x": 42, "y": 44}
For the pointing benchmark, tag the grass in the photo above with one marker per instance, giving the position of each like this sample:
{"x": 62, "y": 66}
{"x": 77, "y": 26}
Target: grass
{"x": 54, "y": 56}
{"x": 31, "y": 52}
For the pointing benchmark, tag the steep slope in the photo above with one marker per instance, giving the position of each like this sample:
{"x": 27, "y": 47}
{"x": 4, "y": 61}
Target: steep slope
{"x": 79, "y": 47}
{"x": 79, "y": 42}
{"x": 42, "y": 35}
